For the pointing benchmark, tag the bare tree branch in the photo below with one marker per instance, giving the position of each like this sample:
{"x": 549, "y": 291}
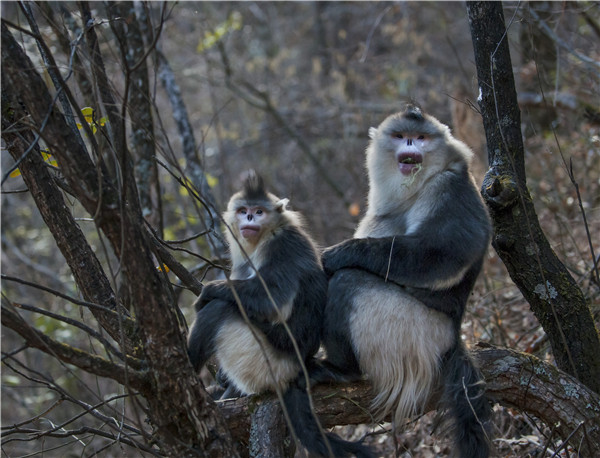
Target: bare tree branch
{"x": 592, "y": 64}
{"x": 77, "y": 324}
{"x": 67, "y": 233}
{"x": 90, "y": 305}
{"x": 261, "y": 99}
{"x": 94, "y": 191}
{"x": 177, "y": 403}
{"x": 194, "y": 168}
{"x": 167, "y": 258}
{"x": 125, "y": 433}
{"x": 521, "y": 380}
{"x": 88, "y": 362}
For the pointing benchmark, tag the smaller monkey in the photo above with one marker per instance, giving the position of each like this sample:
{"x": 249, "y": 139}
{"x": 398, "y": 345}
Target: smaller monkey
{"x": 276, "y": 278}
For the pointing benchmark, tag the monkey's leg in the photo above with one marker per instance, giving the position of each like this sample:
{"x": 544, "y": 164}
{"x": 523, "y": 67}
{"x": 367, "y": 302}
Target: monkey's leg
{"x": 341, "y": 364}
{"x": 226, "y": 389}
{"x": 231, "y": 392}
{"x": 203, "y": 332}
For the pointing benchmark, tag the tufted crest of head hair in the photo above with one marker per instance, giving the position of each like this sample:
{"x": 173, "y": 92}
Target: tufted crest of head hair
{"x": 413, "y": 111}
{"x": 254, "y": 188}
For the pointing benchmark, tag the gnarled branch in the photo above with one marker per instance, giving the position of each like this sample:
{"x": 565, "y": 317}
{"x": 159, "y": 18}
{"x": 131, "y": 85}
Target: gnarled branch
{"x": 513, "y": 379}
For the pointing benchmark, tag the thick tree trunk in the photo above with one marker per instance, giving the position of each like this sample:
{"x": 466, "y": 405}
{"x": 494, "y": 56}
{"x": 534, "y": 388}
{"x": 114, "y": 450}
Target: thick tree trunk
{"x": 556, "y": 300}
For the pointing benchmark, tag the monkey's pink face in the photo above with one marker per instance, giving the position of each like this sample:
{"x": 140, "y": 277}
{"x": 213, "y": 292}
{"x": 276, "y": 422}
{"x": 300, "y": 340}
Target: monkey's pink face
{"x": 409, "y": 149}
{"x": 250, "y": 221}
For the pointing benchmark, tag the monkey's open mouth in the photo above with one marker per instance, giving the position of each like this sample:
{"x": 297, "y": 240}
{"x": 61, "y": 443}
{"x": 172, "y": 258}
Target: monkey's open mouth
{"x": 409, "y": 163}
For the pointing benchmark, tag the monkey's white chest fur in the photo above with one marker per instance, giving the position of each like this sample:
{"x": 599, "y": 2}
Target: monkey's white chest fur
{"x": 243, "y": 355}
{"x": 399, "y": 343}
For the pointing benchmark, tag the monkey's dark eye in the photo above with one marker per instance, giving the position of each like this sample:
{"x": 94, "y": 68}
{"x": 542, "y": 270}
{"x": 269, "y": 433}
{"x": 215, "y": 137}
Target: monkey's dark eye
{"x": 242, "y": 211}
{"x": 421, "y": 137}
{"x": 397, "y": 135}
{"x": 259, "y": 212}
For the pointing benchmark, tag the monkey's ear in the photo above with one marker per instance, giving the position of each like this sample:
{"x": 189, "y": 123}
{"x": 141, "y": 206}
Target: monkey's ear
{"x": 281, "y": 204}
{"x": 372, "y": 132}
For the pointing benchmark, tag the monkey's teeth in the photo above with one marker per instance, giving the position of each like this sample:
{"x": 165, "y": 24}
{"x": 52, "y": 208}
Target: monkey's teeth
{"x": 408, "y": 163}
{"x": 410, "y": 158}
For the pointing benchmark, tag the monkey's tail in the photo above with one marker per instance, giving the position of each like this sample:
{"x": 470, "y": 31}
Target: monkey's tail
{"x": 464, "y": 398}
{"x": 308, "y": 431}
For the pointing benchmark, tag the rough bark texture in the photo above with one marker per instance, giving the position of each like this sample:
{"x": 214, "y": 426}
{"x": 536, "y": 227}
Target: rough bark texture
{"x": 556, "y": 300}
{"x": 520, "y": 380}
{"x": 269, "y": 433}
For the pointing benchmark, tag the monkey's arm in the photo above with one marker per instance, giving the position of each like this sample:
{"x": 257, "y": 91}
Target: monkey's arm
{"x": 437, "y": 251}
{"x": 253, "y": 295}
{"x": 285, "y": 261}
{"x": 450, "y": 301}
{"x": 435, "y": 258}
{"x": 208, "y": 293}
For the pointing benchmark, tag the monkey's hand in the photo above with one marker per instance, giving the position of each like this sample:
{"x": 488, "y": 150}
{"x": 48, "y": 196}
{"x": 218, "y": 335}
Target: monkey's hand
{"x": 209, "y": 292}
{"x": 344, "y": 254}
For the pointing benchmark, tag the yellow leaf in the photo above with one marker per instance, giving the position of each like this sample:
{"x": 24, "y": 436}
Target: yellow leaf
{"x": 234, "y": 22}
{"x": 163, "y": 268}
{"x": 47, "y": 158}
{"x": 170, "y": 233}
{"x": 211, "y": 180}
{"x": 183, "y": 189}
{"x": 88, "y": 113}
{"x": 221, "y": 30}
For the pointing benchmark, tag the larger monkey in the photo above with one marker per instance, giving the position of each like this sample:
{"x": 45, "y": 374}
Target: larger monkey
{"x": 276, "y": 278}
{"x": 399, "y": 287}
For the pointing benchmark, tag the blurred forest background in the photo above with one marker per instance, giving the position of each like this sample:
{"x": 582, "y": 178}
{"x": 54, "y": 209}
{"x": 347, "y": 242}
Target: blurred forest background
{"x": 290, "y": 89}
